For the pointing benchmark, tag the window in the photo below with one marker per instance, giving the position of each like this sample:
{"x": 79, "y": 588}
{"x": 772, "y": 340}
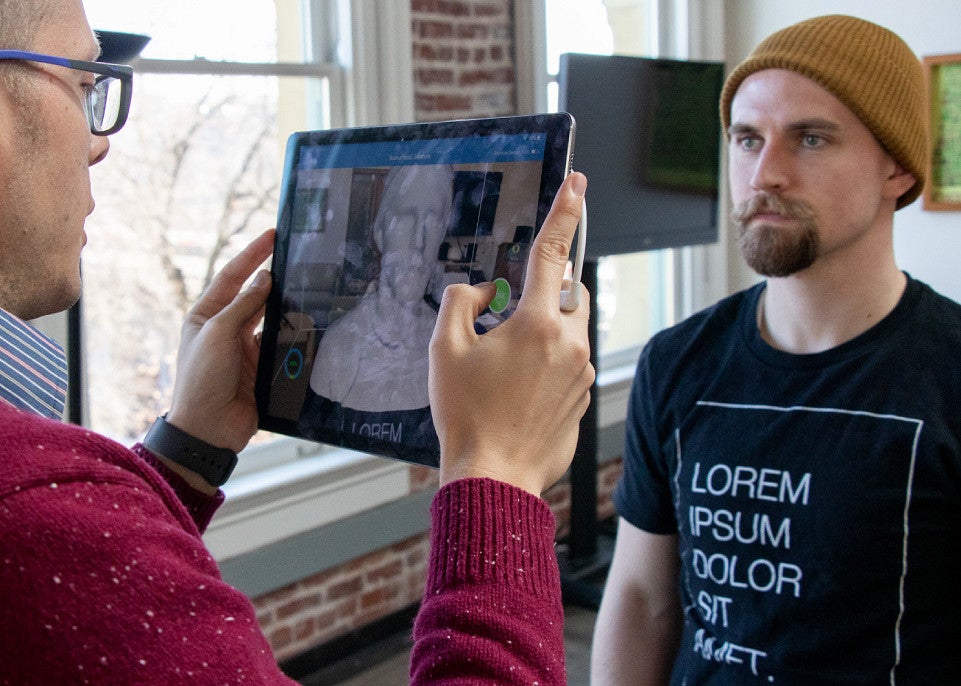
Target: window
{"x": 192, "y": 178}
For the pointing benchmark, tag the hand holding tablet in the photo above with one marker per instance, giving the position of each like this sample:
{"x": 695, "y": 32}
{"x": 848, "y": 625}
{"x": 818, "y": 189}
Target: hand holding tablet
{"x": 507, "y": 403}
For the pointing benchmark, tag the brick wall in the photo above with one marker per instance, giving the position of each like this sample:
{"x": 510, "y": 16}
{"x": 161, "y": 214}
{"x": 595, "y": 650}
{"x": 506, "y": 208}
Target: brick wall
{"x": 463, "y": 57}
{"x": 327, "y": 605}
{"x": 463, "y": 53}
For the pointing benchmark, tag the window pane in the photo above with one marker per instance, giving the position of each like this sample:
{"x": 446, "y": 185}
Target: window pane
{"x": 213, "y": 29}
{"x": 576, "y": 26}
{"x": 190, "y": 180}
{"x": 635, "y": 300}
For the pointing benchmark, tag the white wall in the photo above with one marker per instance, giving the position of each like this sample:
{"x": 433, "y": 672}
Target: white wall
{"x": 927, "y": 244}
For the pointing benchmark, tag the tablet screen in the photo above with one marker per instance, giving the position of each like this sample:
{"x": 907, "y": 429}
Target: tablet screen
{"x": 373, "y": 224}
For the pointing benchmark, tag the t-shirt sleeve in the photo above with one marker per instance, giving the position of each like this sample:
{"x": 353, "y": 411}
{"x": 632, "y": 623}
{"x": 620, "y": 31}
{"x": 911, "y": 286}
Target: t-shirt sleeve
{"x": 643, "y": 494}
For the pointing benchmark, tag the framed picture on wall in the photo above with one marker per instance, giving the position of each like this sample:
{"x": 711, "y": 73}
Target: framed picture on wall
{"x": 943, "y": 75}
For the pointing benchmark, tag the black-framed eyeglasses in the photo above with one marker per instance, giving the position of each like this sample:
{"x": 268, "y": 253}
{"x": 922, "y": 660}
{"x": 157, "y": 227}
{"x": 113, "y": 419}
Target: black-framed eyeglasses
{"x": 107, "y": 102}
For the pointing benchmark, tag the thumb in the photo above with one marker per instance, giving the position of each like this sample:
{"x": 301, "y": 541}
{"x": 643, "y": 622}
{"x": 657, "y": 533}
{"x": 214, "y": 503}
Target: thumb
{"x": 459, "y": 308}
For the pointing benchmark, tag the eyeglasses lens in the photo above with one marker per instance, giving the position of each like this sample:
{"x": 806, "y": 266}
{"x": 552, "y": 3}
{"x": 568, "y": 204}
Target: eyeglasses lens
{"x": 104, "y": 103}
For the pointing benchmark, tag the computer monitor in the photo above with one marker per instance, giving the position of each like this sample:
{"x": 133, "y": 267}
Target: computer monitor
{"x": 648, "y": 138}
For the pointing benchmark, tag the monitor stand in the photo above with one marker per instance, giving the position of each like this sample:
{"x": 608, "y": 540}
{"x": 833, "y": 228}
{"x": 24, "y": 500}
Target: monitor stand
{"x": 584, "y": 555}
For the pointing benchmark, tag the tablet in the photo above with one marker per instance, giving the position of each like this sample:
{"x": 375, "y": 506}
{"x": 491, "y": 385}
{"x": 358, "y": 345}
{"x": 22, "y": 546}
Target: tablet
{"x": 373, "y": 224}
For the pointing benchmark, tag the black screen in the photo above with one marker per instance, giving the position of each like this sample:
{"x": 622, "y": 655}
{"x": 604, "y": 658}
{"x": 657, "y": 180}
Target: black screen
{"x": 648, "y": 139}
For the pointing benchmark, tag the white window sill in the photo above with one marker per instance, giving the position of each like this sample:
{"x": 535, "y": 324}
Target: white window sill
{"x": 614, "y": 390}
{"x": 277, "y": 502}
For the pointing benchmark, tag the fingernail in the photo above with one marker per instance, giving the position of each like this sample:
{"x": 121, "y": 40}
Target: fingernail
{"x": 578, "y": 184}
{"x": 261, "y": 280}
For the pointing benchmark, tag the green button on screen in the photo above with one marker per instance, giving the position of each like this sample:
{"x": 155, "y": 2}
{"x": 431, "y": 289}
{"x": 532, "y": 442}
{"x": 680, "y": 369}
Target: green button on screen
{"x": 503, "y": 297}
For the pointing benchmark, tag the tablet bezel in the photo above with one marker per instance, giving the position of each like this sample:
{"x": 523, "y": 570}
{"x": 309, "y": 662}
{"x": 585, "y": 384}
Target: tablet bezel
{"x": 558, "y": 150}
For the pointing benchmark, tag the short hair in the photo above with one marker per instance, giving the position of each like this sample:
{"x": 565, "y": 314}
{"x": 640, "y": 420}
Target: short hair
{"x": 19, "y": 22}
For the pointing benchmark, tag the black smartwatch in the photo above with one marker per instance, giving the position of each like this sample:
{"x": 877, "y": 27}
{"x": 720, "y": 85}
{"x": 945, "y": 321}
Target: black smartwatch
{"x": 212, "y": 463}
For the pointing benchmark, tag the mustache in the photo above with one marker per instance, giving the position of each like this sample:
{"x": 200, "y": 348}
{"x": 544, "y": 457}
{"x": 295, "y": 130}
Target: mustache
{"x": 768, "y": 203}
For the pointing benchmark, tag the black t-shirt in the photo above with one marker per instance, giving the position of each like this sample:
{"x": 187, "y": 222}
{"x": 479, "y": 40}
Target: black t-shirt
{"x": 816, "y": 498}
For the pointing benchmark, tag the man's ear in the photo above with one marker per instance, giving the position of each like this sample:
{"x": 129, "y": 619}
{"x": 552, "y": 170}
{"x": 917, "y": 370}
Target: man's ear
{"x": 899, "y": 182}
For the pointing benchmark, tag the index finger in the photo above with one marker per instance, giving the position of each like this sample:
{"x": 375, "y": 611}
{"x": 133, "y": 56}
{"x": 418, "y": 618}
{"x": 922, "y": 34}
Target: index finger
{"x": 552, "y": 247}
{"x": 228, "y": 282}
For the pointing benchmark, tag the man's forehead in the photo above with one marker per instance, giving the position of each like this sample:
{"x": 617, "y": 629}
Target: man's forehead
{"x": 783, "y": 89}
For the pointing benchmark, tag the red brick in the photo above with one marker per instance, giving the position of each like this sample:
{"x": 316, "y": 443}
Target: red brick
{"x": 274, "y": 597}
{"x": 298, "y": 605}
{"x": 385, "y": 572}
{"x": 281, "y": 638}
{"x": 433, "y": 53}
{"x": 304, "y": 629}
{"x": 434, "y": 77}
{"x": 326, "y": 619}
{"x": 361, "y": 563}
{"x": 488, "y": 10}
{"x": 344, "y": 589}
{"x": 434, "y": 29}
{"x": 452, "y": 8}
{"x": 443, "y": 103}
{"x": 347, "y": 608}
{"x": 473, "y": 31}
{"x": 320, "y": 578}
{"x": 379, "y": 596}
{"x": 416, "y": 558}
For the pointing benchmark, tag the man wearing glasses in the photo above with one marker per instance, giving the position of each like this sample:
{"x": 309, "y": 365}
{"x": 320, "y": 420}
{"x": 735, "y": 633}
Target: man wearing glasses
{"x": 104, "y": 578}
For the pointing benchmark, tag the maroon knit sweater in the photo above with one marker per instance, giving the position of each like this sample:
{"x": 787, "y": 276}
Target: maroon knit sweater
{"x": 104, "y": 578}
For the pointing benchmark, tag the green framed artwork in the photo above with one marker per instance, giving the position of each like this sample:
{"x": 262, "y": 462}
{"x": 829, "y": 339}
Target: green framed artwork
{"x": 943, "y": 190}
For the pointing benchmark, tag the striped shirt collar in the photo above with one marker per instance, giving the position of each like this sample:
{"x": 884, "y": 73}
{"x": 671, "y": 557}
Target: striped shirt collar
{"x": 33, "y": 368}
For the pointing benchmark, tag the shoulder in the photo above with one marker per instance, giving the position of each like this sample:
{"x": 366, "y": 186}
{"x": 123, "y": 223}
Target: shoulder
{"x": 930, "y": 300}
{"x": 703, "y": 333}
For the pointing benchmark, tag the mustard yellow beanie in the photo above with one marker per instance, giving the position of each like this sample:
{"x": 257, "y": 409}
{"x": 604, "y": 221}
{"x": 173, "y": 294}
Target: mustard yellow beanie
{"x": 865, "y": 66}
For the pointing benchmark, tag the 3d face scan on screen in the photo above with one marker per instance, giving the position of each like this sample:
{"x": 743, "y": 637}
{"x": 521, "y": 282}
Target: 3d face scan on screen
{"x": 373, "y": 225}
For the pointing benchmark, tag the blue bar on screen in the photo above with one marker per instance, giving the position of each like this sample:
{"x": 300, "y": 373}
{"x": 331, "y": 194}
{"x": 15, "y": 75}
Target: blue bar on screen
{"x": 526, "y": 147}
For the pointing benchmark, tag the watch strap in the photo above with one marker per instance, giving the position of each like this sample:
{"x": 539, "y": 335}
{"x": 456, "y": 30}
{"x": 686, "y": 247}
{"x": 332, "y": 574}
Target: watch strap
{"x": 212, "y": 463}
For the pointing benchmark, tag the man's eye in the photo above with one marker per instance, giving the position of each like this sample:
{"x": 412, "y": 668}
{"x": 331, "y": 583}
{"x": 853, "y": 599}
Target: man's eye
{"x": 812, "y": 140}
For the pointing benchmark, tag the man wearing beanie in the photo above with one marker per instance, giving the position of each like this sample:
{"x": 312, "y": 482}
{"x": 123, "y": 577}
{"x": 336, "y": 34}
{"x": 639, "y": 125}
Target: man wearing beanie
{"x": 791, "y": 499}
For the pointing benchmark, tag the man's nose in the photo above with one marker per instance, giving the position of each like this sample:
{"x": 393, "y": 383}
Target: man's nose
{"x": 771, "y": 168}
{"x": 99, "y": 146}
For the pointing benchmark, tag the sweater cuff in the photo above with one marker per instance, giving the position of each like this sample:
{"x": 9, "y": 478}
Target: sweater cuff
{"x": 484, "y": 530}
{"x": 200, "y": 505}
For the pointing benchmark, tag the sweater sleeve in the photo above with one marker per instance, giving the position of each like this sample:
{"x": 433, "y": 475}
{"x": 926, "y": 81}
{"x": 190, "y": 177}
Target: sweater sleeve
{"x": 202, "y": 507}
{"x": 492, "y": 611}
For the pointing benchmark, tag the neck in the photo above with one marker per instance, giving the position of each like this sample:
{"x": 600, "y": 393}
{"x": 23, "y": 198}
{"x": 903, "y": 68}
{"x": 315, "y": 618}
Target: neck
{"x": 826, "y": 305}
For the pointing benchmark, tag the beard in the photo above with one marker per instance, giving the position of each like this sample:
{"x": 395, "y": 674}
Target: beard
{"x": 775, "y": 250}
